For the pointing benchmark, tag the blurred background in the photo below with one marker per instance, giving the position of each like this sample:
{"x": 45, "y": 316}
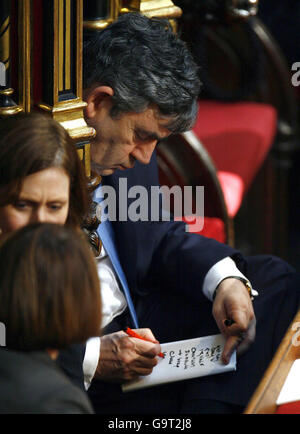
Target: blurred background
{"x": 248, "y": 118}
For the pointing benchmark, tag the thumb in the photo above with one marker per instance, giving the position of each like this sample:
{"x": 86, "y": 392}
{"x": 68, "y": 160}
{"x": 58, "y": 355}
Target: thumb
{"x": 147, "y": 334}
{"x": 240, "y": 322}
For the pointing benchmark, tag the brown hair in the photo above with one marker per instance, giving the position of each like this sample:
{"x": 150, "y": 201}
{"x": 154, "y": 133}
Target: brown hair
{"x": 49, "y": 288}
{"x": 34, "y": 142}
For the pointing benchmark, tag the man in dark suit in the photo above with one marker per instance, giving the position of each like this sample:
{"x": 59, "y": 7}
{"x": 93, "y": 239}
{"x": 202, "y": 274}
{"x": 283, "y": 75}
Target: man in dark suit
{"x": 141, "y": 85}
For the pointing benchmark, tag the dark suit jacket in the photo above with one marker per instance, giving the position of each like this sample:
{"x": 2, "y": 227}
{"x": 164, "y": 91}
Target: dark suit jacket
{"x": 156, "y": 255}
{"x": 162, "y": 253}
{"x": 32, "y": 383}
{"x": 165, "y": 268}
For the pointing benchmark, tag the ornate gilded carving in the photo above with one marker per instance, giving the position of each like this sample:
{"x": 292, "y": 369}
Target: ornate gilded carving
{"x": 153, "y": 8}
{"x": 61, "y": 85}
{"x": 24, "y": 29}
{"x": 99, "y": 14}
{"x": 62, "y": 91}
{"x": 8, "y": 106}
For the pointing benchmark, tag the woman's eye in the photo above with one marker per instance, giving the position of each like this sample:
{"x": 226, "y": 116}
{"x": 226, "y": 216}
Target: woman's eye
{"x": 21, "y": 204}
{"x": 55, "y": 207}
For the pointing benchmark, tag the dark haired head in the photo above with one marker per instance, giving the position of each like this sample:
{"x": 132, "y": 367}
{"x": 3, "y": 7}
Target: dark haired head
{"x": 145, "y": 63}
{"x": 49, "y": 288}
{"x": 34, "y": 142}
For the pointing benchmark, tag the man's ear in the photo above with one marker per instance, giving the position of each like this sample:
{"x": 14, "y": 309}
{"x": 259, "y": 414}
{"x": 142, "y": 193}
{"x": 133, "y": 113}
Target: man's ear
{"x": 95, "y": 99}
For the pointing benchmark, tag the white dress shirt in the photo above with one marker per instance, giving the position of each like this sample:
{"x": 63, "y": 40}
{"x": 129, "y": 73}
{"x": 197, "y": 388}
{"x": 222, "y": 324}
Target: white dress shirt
{"x": 114, "y": 302}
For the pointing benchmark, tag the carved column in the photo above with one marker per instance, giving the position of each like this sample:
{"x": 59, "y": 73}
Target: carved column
{"x": 8, "y": 103}
{"x": 61, "y": 71}
{"x": 58, "y": 79}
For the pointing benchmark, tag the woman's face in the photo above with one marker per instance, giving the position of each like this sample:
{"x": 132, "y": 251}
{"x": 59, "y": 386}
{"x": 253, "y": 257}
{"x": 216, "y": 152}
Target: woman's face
{"x": 44, "y": 197}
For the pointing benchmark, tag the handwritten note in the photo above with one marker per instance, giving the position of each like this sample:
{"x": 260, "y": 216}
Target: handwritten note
{"x": 186, "y": 359}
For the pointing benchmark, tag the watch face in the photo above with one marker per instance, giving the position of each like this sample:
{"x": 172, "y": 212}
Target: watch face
{"x": 249, "y": 288}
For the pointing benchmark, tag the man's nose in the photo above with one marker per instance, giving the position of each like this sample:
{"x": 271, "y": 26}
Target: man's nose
{"x": 144, "y": 152}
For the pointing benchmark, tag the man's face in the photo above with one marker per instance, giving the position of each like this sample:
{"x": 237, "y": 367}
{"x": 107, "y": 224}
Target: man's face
{"x": 122, "y": 140}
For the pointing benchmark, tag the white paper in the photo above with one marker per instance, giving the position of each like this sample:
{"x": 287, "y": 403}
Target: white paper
{"x": 291, "y": 389}
{"x": 186, "y": 359}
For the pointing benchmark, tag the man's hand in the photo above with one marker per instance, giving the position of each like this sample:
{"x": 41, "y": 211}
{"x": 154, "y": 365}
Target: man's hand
{"x": 125, "y": 358}
{"x": 233, "y": 302}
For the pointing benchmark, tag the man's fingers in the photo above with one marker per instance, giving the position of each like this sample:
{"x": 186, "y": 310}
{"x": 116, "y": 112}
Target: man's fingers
{"x": 236, "y": 322}
{"x": 146, "y": 334}
{"x": 229, "y": 347}
{"x": 144, "y": 361}
{"x": 145, "y": 343}
{"x": 123, "y": 357}
{"x": 248, "y": 339}
{"x": 234, "y": 328}
{"x": 147, "y": 349}
{"x": 239, "y": 342}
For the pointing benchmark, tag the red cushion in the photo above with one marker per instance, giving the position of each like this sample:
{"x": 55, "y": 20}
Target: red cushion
{"x": 289, "y": 408}
{"x": 213, "y": 227}
{"x": 237, "y": 136}
{"x": 233, "y": 189}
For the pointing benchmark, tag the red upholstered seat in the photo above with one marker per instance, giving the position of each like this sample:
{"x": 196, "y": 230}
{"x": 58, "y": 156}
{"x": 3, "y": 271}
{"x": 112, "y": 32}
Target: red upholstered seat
{"x": 238, "y": 136}
{"x": 212, "y": 228}
{"x": 233, "y": 189}
{"x": 289, "y": 408}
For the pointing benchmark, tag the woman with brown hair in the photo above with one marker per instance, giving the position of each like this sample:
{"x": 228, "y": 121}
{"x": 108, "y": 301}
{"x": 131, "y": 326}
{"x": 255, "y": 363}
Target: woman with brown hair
{"x": 41, "y": 176}
{"x": 42, "y": 180}
{"x": 49, "y": 299}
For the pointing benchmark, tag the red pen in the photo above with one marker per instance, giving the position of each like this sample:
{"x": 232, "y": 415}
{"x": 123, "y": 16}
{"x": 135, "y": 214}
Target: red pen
{"x": 133, "y": 334}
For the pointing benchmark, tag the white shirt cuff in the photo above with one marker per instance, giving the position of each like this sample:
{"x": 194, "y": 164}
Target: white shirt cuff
{"x": 218, "y": 272}
{"x": 91, "y": 359}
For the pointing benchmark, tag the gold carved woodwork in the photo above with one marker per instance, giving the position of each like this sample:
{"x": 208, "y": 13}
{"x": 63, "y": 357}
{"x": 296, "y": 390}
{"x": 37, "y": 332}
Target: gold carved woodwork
{"x": 8, "y": 106}
{"x": 24, "y": 25}
{"x": 47, "y": 60}
{"x": 65, "y": 104}
{"x": 63, "y": 100}
{"x": 265, "y": 396}
{"x": 150, "y": 8}
{"x": 153, "y": 8}
{"x": 99, "y": 24}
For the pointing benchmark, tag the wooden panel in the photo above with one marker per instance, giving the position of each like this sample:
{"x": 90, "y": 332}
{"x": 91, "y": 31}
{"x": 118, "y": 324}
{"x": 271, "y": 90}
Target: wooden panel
{"x": 264, "y": 398}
